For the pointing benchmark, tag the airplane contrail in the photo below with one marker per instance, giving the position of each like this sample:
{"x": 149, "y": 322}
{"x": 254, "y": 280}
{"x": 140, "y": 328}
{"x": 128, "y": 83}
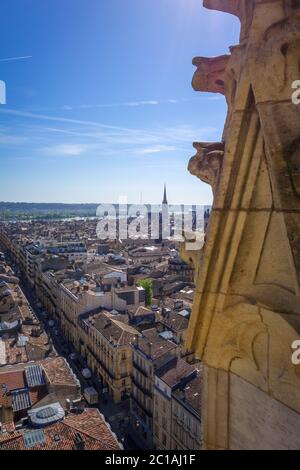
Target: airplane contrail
{"x": 16, "y": 58}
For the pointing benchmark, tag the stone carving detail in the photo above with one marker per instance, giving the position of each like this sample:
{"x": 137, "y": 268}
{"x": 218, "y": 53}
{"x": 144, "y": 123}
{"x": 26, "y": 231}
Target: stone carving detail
{"x": 207, "y": 163}
{"x": 246, "y": 311}
{"x": 210, "y": 74}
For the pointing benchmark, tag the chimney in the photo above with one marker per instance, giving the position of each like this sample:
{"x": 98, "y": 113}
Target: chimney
{"x": 79, "y": 442}
{"x": 135, "y": 341}
{"x": 164, "y": 312}
{"x": 6, "y": 415}
{"x": 68, "y": 404}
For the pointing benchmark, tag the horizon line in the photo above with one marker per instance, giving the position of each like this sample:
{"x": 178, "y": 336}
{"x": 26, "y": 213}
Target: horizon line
{"x": 99, "y": 203}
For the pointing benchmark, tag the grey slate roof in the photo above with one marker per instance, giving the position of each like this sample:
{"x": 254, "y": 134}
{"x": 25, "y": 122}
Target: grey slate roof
{"x": 21, "y": 400}
{"x": 46, "y": 414}
{"x": 35, "y": 376}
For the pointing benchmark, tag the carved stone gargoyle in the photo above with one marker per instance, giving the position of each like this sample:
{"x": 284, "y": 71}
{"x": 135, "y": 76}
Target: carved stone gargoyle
{"x": 210, "y": 74}
{"x": 207, "y": 163}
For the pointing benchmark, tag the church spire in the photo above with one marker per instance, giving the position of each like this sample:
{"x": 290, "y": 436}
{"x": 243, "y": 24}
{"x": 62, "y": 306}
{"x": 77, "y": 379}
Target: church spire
{"x": 165, "y": 201}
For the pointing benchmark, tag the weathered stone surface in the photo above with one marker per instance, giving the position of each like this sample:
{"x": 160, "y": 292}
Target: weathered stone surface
{"x": 210, "y": 74}
{"x": 207, "y": 163}
{"x": 246, "y": 311}
{"x": 272, "y": 423}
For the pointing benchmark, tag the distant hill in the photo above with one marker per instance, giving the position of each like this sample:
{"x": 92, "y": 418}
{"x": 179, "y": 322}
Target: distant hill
{"x": 13, "y": 210}
{"x": 34, "y": 210}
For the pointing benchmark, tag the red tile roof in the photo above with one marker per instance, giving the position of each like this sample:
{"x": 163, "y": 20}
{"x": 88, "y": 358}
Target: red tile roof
{"x": 58, "y": 371}
{"x": 37, "y": 394}
{"x": 89, "y": 424}
{"x": 13, "y": 381}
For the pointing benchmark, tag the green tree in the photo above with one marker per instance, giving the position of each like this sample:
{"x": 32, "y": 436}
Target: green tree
{"x": 147, "y": 285}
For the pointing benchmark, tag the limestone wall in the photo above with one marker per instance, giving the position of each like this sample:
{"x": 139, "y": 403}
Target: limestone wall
{"x": 246, "y": 312}
{"x": 258, "y": 421}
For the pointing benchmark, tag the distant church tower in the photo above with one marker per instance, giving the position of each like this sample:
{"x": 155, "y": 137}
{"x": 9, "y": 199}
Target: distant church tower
{"x": 165, "y": 201}
{"x": 164, "y": 218}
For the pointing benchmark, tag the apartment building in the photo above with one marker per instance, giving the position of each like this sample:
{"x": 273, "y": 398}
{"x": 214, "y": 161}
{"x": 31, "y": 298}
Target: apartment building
{"x": 150, "y": 352}
{"x": 174, "y": 325}
{"x": 108, "y": 351}
{"x": 76, "y": 251}
{"x": 149, "y": 254}
{"x": 177, "y": 266}
{"x": 32, "y": 253}
{"x": 78, "y": 297}
{"x": 186, "y": 414}
{"x": 172, "y": 375}
{"x": 49, "y": 272}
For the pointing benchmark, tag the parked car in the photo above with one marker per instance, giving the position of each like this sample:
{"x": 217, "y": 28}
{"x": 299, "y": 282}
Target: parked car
{"x": 91, "y": 395}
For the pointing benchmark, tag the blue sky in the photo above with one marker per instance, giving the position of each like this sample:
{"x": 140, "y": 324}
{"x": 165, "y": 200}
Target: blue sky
{"x": 103, "y": 106}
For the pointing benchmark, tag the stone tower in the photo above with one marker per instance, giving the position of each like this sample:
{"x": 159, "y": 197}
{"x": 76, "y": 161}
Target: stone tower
{"x": 246, "y": 312}
{"x": 165, "y": 200}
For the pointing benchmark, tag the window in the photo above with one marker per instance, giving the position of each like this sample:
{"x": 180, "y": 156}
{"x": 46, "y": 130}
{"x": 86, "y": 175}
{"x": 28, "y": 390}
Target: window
{"x": 164, "y": 439}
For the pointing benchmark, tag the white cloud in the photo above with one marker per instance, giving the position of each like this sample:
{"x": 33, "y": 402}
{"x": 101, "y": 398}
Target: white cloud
{"x": 157, "y": 149}
{"x": 74, "y": 138}
{"x": 16, "y": 58}
{"x": 44, "y": 117}
{"x": 141, "y": 103}
{"x": 69, "y": 150}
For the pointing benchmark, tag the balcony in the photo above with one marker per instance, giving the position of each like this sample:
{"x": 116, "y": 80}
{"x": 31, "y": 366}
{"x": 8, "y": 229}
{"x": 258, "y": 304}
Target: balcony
{"x": 138, "y": 385}
{"x": 142, "y": 407}
{"x": 140, "y": 369}
{"x": 104, "y": 367}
